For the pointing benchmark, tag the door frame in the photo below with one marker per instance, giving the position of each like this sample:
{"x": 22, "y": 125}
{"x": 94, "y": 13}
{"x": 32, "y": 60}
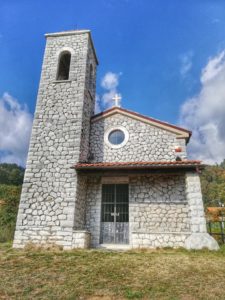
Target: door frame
{"x": 115, "y": 214}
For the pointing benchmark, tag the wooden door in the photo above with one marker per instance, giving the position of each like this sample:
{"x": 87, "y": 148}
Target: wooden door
{"x": 115, "y": 214}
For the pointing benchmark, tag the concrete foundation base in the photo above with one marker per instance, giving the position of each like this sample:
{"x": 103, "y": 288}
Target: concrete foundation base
{"x": 201, "y": 240}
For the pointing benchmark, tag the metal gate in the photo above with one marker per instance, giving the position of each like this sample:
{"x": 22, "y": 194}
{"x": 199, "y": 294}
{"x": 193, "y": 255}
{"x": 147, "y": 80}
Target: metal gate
{"x": 115, "y": 214}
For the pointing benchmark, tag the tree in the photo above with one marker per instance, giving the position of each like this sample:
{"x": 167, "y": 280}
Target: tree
{"x": 11, "y": 174}
{"x": 213, "y": 184}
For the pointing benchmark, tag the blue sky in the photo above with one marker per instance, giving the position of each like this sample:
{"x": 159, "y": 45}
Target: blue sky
{"x": 159, "y": 47}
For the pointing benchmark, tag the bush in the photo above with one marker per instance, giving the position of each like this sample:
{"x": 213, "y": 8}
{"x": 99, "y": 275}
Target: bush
{"x": 7, "y": 233}
{"x": 9, "y": 201}
{"x": 213, "y": 185}
{"x": 11, "y": 174}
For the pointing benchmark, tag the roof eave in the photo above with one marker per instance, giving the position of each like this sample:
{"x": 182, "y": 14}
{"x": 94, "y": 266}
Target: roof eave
{"x": 186, "y": 166}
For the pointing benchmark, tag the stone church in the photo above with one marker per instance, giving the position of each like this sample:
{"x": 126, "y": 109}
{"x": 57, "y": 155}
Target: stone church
{"x": 117, "y": 179}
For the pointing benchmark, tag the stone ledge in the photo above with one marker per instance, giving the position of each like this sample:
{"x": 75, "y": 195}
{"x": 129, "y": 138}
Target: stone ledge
{"x": 162, "y": 232}
{"x": 68, "y": 32}
{"x": 61, "y": 81}
{"x": 158, "y": 202}
{"x": 117, "y": 247}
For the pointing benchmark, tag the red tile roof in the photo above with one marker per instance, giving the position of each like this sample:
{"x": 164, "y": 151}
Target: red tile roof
{"x": 138, "y": 164}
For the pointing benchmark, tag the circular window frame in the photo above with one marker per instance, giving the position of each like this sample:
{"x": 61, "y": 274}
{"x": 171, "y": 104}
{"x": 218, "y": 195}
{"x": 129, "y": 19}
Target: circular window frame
{"x": 109, "y": 130}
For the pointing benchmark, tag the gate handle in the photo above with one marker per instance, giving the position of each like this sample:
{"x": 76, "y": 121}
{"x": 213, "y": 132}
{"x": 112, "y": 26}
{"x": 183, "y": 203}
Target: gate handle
{"x": 115, "y": 214}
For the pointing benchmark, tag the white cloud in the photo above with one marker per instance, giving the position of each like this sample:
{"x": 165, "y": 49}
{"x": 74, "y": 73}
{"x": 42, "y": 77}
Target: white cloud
{"x": 216, "y": 20}
{"x": 186, "y": 63}
{"x": 110, "y": 83}
{"x": 214, "y": 66}
{"x": 15, "y": 129}
{"x": 204, "y": 114}
{"x": 97, "y": 104}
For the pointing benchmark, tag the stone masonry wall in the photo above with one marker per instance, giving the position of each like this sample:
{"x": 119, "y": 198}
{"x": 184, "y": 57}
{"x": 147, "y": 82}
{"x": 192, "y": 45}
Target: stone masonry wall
{"x": 88, "y": 103}
{"x": 93, "y": 213}
{"x": 158, "y": 210}
{"x": 194, "y": 198}
{"x": 85, "y": 130}
{"x": 146, "y": 142}
{"x": 80, "y": 204}
{"x": 164, "y": 211}
{"x": 199, "y": 238}
{"x": 47, "y": 206}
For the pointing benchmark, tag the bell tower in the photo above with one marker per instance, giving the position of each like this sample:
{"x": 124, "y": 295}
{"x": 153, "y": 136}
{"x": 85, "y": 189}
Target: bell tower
{"x": 50, "y": 208}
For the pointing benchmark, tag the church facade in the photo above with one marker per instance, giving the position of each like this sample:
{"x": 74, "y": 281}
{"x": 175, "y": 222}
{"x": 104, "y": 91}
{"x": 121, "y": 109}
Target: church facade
{"x": 112, "y": 179}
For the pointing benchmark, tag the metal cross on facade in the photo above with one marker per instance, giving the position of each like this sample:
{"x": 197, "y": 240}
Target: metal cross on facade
{"x": 117, "y": 99}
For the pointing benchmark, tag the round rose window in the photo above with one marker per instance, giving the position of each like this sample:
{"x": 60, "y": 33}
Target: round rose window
{"x": 116, "y": 137}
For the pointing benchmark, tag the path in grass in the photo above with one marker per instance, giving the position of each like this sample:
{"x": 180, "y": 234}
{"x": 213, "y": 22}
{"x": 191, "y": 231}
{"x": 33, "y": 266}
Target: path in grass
{"x": 92, "y": 274}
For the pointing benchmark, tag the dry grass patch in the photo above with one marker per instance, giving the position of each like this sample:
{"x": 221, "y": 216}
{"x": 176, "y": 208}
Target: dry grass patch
{"x": 91, "y": 274}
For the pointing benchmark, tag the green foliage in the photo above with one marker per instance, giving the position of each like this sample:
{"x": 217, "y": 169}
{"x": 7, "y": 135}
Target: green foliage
{"x": 9, "y": 197}
{"x": 213, "y": 184}
{"x": 9, "y": 201}
{"x": 222, "y": 165}
{"x": 11, "y": 179}
{"x": 7, "y": 233}
{"x": 11, "y": 174}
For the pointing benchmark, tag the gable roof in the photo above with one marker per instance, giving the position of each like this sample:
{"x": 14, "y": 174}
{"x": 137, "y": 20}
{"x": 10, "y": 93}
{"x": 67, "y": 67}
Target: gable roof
{"x": 181, "y": 132}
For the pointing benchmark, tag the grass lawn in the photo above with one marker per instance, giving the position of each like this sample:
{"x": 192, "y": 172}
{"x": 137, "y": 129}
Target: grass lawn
{"x": 92, "y": 274}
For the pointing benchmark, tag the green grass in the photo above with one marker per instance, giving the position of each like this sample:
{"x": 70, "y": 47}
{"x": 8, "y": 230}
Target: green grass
{"x": 7, "y": 233}
{"x": 91, "y": 274}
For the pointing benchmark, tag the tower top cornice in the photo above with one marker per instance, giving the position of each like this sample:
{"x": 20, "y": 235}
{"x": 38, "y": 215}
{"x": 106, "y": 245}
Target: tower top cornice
{"x": 74, "y": 32}
{"x": 68, "y": 32}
